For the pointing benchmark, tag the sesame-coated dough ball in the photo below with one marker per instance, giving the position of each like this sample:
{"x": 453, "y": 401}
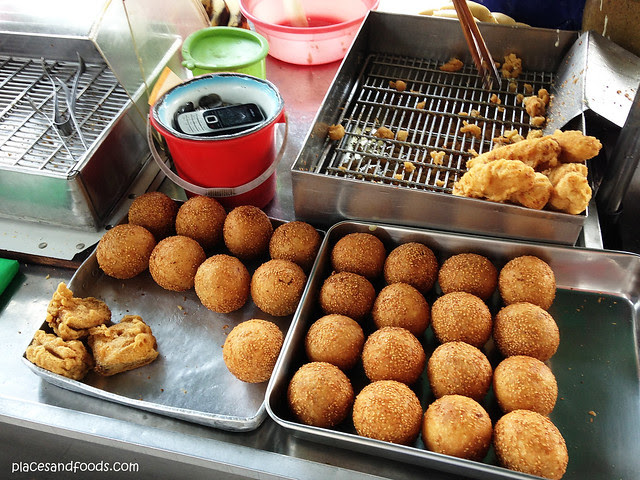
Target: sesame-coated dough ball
{"x": 247, "y": 231}
{"x": 296, "y": 241}
{"x": 457, "y": 368}
{"x": 393, "y": 353}
{"x": 335, "y": 339}
{"x": 458, "y": 426}
{"x": 463, "y": 317}
{"x": 468, "y": 272}
{"x": 347, "y": 293}
{"x": 174, "y": 262}
{"x": 123, "y": 252}
{"x": 361, "y": 253}
{"x": 276, "y": 287}
{"x": 527, "y": 279}
{"x": 156, "y": 212}
{"x": 412, "y": 263}
{"x": 320, "y": 394}
{"x": 526, "y": 329}
{"x": 222, "y": 283}
{"x": 525, "y": 383}
{"x": 401, "y": 305}
{"x": 388, "y": 410}
{"x": 528, "y": 442}
{"x": 202, "y": 219}
{"x": 251, "y": 349}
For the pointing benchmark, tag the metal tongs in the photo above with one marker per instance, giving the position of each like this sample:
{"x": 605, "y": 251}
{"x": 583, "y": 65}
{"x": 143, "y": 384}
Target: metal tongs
{"x": 478, "y": 48}
{"x": 66, "y": 123}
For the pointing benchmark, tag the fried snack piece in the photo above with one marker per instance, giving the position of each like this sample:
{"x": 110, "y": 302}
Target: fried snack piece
{"x": 527, "y": 279}
{"x": 71, "y": 317}
{"x": 222, "y": 283}
{"x": 576, "y": 147}
{"x": 361, "y": 253}
{"x": 276, "y": 287}
{"x": 156, "y": 212}
{"x": 538, "y": 195}
{"x": 123, "y": 252}
{"x": 202, "y": 219}
{"x": 539, "y": 153}
{"x": 512, "y": 66}
{"x": 453, "y": 65}
{"x": 247, "y": 231}
{"x": 571, "y": 191}
{"x": 461, "y": 316}
{"x": 401, "y": 305}
{"x": 468, "y": 272}
{"x": 347, "y": 293}
{"x": 296, "y": 241}
{"x": 335, "y": 339}
{"x": 336, "y": 132}
{"x": 384, "y": 132}
{"x": 412, "y": 263}
{"x": 124, "y": 346}
{"x": 174, "y": 262}
{"x": 68, "y": 358}
{"x": 497, "y": 181}
{"x": 393, "y": 353}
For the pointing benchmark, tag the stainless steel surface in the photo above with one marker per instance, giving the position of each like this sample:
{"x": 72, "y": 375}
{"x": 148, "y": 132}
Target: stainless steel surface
{"x": 362, "y": 177}
{"x": 596, "y": 365}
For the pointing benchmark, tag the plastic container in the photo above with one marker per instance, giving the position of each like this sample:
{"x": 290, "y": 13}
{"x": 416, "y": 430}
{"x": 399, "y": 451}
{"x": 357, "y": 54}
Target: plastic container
{"x": 333, "y": 25}
{"x": 237, "y": 169}
{"x": 225, "y": 49}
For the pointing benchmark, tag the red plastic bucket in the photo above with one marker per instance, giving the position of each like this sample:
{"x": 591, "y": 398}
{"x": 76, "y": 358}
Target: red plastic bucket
{"x": 237, "y": 169}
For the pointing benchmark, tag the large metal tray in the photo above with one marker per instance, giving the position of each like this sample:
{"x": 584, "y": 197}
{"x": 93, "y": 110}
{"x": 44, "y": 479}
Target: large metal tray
{"x": 189, "y": 379}
{"x": 596, "y": 365}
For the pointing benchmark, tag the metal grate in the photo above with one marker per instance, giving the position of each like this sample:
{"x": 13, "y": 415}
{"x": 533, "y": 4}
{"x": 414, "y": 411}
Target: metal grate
{"x": 450, "y": 99}
{"x": 27, "y": 141}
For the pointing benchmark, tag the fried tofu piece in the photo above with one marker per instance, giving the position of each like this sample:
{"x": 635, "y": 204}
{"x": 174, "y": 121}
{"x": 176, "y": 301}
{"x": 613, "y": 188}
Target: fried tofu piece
{"x": 71, "y": 317}
{"x": 576, "y": 147}
{"x": 497, "y": 181}
{"x": 124, "y": 346}
{"x": 571, "y": 191}
{"x": 68, "y": 358}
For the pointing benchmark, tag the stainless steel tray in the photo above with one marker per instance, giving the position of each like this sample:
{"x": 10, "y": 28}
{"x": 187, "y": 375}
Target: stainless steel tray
{"x": 596, "y": 366}
{"x": 189, "y": 379}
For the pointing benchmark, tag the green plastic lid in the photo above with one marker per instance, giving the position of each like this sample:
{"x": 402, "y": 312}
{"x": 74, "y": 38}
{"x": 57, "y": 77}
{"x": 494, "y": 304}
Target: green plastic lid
{"x": 8, "y": 270}
{"x": 223, "y": 48}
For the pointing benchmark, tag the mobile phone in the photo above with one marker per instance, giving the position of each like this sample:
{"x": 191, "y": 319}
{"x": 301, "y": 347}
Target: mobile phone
{"x": 220, "y": 120}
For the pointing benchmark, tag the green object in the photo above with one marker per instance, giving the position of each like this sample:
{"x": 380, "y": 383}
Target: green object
{"x": 225, "y": 49}
{"x": 8, "y": 270}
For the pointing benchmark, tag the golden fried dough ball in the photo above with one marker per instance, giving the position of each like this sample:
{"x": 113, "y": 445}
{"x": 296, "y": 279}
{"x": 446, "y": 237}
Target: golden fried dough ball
{"x": 527, "y": 279}
{"x": 251, "y": 349}
{"x": 222, "y": 283}
{"x": 412, "y": 263}
{"x": 393, "y": 353}
{"x": 457, "y": 368}
{"x": 276, "y": 287}
{"x": 335, "y": 339}
{"x": 528, "y": 442}
{"x": 526, "y": 329}
{"x": 525, "y": 383}
{"x": 388, "y": 410}
{"x": 154, "y": 211}
{"x": 401, "y": 305}
{"x": 461, "y": 316}
{"x": 320, "y": 394}
{"x": 247, "y": 231}
{"x": 174, "y": 262}
{"x": 202, "y": 219}
{"x": 468, "y": 272}
{"x": 123, "y": 252}
{"x": 347, "y": 293}
{"x": 296, "y": 241}
{"x": 458, "y": 426}
{"x": 361, "y": 253}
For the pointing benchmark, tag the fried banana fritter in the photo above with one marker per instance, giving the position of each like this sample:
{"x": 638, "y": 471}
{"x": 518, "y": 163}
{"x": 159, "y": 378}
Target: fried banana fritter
{"x": 71, "y": 317}
{"x": 68, "y": 358}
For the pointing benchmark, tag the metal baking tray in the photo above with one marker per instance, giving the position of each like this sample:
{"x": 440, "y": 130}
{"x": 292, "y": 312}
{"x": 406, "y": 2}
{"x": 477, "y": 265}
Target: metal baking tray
{"x": 189, "y": 379}
{"x": 596, "y": 365}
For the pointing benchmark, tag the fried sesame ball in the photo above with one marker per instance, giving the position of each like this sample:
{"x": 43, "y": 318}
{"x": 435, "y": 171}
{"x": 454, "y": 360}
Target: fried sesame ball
{"x": 468, "y": 272}
{"x": 527, "y": 279}
{"x": 320, "y": 394}
{"x": 388, "y": 410}
{"x": 222, "y": 283}
{"x": 458, "y": 426}
{"x": 528, "y": 442}
{"x": 347, "y": 293}
{"x": 154, "y": 211}
{"x": 247, "y": 231}
{"x": 393, "y": 353}
{"x": 335, "y": 339}
{"x": 123, "y": 252}
{"x": 526, "y": 329}
{"x": 412, "y": 263}
{"x": 295, "y": 241}
{"x": 525, "y": 383}
{"x": 174, "y": 262}
{"x": 202, "y": 219}
{"x": 461, "y": 316}
{"x": 457, "y": 368}
{"x": 276, "y": 287}
{"x": 401, "y": 305}
{"x": 361, "y": 253}
{"x": 251, "y": 349}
